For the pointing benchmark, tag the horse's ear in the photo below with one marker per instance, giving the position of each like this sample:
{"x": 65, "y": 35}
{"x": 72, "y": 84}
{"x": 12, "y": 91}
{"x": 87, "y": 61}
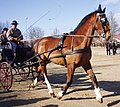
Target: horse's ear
{"x": 104, "y": 10}
{"x": 99, "y": 8}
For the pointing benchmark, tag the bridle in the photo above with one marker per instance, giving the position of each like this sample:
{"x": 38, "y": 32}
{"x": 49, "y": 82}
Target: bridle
{"x": 104, "y": 22}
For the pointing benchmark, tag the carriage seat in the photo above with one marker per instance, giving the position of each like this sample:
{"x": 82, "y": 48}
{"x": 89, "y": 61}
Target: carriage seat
{"x": 6, "y": 51}
{"x": 8, "y": 54}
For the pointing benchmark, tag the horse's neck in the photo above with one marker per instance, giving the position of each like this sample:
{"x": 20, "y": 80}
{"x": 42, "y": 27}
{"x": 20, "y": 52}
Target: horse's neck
{"x": 87, "y": 30}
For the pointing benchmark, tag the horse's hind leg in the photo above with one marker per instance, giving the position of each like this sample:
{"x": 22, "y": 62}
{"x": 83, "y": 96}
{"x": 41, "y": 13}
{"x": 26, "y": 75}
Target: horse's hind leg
{"x": 44, "y": 73}
{"x": 93, "y": 78}
{"x": 70, "y": 73}
{"x": 36, "y": 78}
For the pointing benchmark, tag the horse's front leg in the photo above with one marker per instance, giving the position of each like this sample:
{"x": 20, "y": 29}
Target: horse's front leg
{"x": 93, "y": 78}
{"x": 70, "y": 73}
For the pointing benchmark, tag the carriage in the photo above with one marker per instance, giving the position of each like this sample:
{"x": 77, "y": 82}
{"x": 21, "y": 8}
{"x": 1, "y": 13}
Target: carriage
{"x": 17, "y": 67}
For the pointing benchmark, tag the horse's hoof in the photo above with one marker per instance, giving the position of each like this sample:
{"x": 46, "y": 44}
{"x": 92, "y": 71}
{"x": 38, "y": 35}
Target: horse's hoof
{"x": 60, "y": 95}
{"x": 53, "y": 95}
{"x": 100, "y": 100}
{"x": 98, "y": 95}
{"x": 31, "y": 86}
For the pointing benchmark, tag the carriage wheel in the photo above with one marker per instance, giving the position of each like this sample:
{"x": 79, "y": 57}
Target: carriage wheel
{"x": 6, "y": 76}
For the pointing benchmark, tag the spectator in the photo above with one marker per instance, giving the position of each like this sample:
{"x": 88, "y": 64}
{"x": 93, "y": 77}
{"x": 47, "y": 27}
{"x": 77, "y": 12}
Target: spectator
{"x": 116, "y": 46}
{"x": 108, "y": 47}
{"x": 113, "y": 47}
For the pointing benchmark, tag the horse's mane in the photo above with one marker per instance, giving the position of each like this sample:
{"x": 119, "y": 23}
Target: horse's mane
{"x": 83, "y": 21}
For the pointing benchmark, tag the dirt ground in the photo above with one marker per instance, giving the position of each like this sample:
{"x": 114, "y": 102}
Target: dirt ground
{"x": 80, "y": 94}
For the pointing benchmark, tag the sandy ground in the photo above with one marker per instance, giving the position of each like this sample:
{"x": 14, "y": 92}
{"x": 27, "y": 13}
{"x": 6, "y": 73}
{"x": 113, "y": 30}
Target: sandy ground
{"x": 80, "y": 94}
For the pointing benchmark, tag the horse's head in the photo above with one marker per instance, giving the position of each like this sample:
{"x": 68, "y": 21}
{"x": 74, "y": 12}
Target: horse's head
{"x": 102, "y": 25}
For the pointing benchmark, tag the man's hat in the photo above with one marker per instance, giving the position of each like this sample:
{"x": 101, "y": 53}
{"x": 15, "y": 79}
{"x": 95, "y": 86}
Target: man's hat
{"x": 14, "y": 22}
{"x": 5, "y": 29}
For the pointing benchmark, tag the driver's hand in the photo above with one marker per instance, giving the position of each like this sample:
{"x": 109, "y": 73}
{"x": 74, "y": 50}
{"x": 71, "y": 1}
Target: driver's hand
{"x": 16, "y": 39}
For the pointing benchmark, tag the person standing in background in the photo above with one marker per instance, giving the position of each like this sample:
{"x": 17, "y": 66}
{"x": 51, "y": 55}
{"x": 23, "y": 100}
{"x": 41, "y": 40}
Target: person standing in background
{"x": 108, "y": 47}
{"x": 113, "y": 47}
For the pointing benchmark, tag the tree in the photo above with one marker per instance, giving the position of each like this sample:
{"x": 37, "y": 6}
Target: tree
{"x": 114, "y": 25}
{"x": 56, "y": 32}
{"x": 34, "y": 33}
{"x": 2, "y": 25}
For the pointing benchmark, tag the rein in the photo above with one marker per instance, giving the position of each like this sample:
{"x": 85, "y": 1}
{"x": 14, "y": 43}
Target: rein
{"x": 82, "y": 36}
{"x": 78, "y": 51}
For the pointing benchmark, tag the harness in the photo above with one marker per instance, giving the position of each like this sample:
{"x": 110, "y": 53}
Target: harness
{"x": 63, "y": 55}
{"x": 61, "y": 42}
{"x": 60, "y": 47}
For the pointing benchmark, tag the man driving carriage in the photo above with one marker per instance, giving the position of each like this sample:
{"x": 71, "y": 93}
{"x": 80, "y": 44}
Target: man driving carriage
{"x": 15, "y": 36}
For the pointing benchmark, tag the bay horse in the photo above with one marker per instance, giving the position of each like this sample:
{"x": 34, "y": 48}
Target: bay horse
{"x": 76, "y": 51}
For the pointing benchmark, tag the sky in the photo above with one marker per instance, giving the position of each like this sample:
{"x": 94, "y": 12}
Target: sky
{"x": 48, "y": 15}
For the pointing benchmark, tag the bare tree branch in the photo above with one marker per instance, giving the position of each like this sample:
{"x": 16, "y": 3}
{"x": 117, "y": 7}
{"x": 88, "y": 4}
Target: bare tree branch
{"x": 114, "y": 25}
